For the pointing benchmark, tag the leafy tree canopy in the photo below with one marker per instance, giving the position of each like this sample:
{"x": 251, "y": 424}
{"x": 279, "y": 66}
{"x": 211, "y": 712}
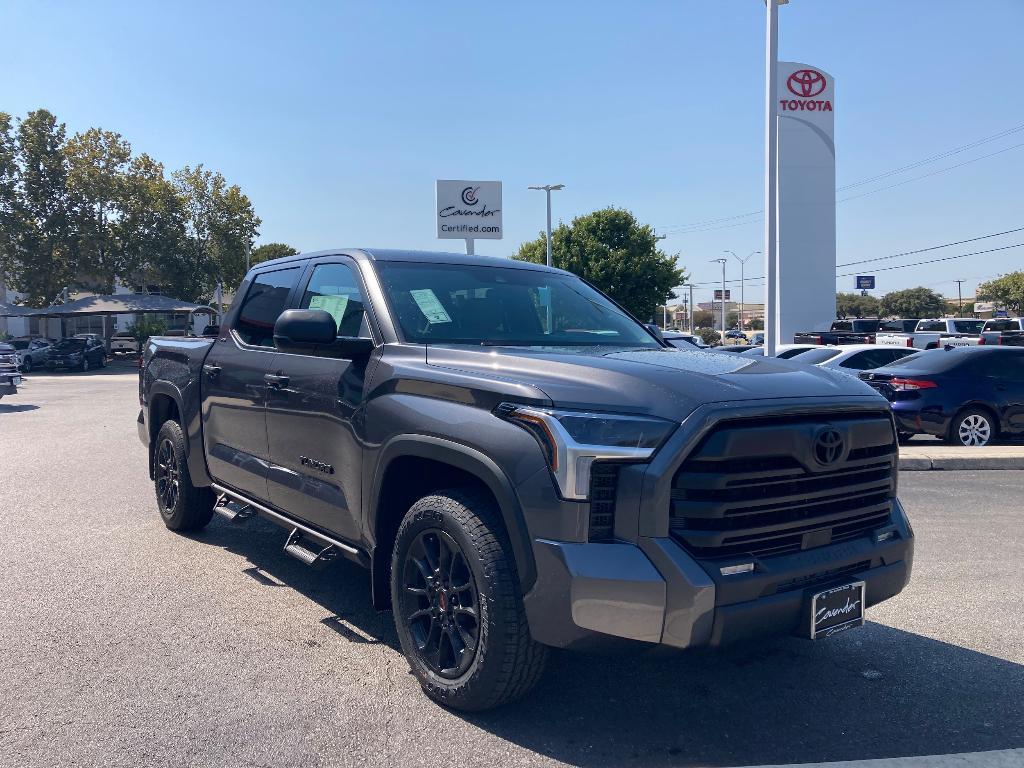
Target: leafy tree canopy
{"x": 856, "y": 305}
{"x": 269, "y": 251}
{"x": 1007, "y": 290}
{"x": 613, "y": 251}
{"x": 913, "y": 302}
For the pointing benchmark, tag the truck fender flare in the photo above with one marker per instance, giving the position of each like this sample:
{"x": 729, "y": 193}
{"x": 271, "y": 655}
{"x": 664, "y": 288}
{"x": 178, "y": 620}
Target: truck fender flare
{"x": 190, "y": 425}
{"x": 471, "y": 461}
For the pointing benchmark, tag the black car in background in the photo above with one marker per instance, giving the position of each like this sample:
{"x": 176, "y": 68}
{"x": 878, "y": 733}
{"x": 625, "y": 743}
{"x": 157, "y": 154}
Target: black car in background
{"x": 79, "y": 354}
{"x": 966, "y": 395}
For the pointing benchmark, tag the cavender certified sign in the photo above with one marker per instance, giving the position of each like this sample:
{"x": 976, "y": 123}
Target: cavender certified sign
{"x": 468, "y": 209}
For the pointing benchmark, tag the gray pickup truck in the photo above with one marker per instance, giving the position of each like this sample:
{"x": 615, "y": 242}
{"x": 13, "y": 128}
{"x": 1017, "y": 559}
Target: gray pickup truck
{"x": 523, "y": 465}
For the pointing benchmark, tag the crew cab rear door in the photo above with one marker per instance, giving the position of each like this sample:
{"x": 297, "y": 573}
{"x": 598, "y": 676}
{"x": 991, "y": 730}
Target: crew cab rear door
{"x": 234, "y": 386}
{"x": 315, "y": 409}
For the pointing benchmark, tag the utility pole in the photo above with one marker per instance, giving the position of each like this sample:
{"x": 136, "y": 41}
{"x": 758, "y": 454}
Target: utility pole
{"x": 771, "y": 201}
{"x": 960, "y": 296}
{"x": 723, "y": 263}
{"x": 743, "y": 297}
{"x": 549, "y": 188}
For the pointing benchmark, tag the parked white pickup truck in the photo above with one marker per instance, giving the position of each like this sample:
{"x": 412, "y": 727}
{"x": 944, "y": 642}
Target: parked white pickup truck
{"x": 931, "y": 334}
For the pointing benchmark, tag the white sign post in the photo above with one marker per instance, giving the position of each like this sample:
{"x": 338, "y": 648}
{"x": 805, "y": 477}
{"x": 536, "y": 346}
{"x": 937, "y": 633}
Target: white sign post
{"x": 468, "y": 210}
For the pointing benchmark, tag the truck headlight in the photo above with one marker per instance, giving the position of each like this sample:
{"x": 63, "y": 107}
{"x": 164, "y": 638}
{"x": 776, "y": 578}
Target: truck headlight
{"x": 573, "y": 440}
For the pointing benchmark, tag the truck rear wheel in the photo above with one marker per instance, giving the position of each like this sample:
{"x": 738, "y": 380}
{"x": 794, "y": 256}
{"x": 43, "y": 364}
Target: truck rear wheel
{"x": 182, "y": 506}
{"x": 458, "y": 609}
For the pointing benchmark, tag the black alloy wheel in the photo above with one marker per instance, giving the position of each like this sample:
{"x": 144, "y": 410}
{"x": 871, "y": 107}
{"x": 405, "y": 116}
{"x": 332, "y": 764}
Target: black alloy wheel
{"x": 440, "y": 603}
{"x": 167, "y": 475}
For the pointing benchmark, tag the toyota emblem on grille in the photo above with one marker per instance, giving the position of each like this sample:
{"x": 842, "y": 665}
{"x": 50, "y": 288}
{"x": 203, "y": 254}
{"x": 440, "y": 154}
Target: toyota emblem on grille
{"x": 828, "y": 446}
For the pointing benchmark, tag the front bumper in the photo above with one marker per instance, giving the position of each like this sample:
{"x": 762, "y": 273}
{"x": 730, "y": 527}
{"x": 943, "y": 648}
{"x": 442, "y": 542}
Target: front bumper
{"x": 654, "y": 592}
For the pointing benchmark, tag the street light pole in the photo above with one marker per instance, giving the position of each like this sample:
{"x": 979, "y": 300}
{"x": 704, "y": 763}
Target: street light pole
{"x": 771, "y": 245}
{"x": 723, "y": 263}
{"x": 549, "y": 188}
{"x": 960, "y": 296}
{"x": 743, "y": 296}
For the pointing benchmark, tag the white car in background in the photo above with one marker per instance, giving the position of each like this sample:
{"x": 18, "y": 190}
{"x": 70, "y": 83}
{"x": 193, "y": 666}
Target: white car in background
{"x": 32, "y": 353}
{"x": 783, "y": 351}
{"x": 123, "y": 342}
{"x": 854, "y": 358}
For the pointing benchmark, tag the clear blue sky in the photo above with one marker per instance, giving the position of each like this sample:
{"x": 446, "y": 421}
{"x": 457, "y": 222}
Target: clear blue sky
{"x": 336, "y": 117}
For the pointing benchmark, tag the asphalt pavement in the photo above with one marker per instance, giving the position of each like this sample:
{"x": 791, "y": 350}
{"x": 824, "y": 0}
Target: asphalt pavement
{"x": 123, "y": 644}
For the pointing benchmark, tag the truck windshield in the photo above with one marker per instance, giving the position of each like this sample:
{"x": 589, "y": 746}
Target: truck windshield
{"x": 474, "y": 304}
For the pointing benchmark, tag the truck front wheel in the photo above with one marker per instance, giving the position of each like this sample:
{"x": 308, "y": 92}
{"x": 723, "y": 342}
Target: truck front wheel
{"x": 182, "y": 506}
{"x": 457, "y": 604}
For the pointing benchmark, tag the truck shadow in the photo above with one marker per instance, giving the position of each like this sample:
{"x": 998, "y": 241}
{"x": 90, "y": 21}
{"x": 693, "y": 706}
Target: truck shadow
{"x": 874, "y": 693}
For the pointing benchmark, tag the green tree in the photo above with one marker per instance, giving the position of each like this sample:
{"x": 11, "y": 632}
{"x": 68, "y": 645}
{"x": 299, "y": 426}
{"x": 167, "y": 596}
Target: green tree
{"x": 145, "y": 327}
{"x": 856, "y": 305}
{"x": 709, "y": 335}
{"x": 98, "y": 163}
{"x": 610, "y": 249}
{"x": 702, "y": 318}
{"x": 269, "y": 251}
{"x": 10, "y": 209}
{"x": 913, "y": 302}
{"x": 42, "y": 259}
{"x": 732, "y": 319}
{"x": 1007, "y": 290}
{"x": 756, "y": 324}
{"x": 220, "y": 221}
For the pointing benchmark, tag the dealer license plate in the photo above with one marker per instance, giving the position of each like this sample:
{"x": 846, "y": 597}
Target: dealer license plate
{"x": 837, "y": 610}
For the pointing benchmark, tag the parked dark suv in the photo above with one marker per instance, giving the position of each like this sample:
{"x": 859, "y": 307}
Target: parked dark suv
{"x": 521, "y": 464}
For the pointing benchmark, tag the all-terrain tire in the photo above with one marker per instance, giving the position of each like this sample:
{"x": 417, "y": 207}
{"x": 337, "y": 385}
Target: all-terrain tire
{"x": 183, "y": 506}
{"x": 506, "y": 662}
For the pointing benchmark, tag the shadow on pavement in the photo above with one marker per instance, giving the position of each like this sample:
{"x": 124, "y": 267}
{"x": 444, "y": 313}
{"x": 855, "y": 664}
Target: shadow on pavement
{"x": 873, "y": 693}
{"x": 12, "y": 408}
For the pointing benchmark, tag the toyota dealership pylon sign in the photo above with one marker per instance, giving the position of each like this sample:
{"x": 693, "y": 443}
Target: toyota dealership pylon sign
{"x": 806, "y": 179}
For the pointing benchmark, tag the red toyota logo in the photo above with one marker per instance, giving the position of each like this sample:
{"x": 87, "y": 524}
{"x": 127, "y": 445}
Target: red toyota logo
{"x": 806, "y": 83}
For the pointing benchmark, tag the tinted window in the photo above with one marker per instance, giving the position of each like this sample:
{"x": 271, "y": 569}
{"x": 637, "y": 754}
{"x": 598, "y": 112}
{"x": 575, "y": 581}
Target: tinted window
{"x": 814, "y": 356}
{"x": 842, "y": 326}
{"x": 262, "y": 305}
{"x": 335, "y": 289}
{"x": 862, "y": 361}
{"x": 997, "y": 364}
{"x": 70, "y": 345}
{"x": 933, "y": 361}
{"x": 931, "y": 325}
{"x": 788, "y": 353}
{"x": 968, "y": 326}
{"x": 20, "y": 344}
{"x": 1002, "y": 325}
{"x": 475, "y": 304}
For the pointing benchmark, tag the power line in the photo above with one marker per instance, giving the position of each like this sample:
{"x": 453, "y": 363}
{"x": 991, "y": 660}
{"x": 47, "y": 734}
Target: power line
{"x": 933, "y": 173}
{"x": 708, "y": 225}
{"x": 936, "y": 261}
{"x": 894, "y": 255}
{"x": 931, "y": 248}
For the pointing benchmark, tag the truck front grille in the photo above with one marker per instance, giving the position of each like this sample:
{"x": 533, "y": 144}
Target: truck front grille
{"x": 760, "y": 487}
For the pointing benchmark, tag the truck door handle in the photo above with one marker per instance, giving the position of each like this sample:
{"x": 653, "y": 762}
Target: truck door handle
{"x": 213, "y": 371}
{"x": 274, "y": 381}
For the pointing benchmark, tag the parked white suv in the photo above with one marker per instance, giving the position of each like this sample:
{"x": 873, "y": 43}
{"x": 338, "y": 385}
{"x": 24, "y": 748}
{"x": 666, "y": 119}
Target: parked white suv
{"x": 123, "y": 343}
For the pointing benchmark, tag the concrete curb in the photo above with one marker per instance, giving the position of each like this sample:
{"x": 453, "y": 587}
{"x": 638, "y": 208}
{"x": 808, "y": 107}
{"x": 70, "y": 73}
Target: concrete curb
{"x": 953, "y": 459}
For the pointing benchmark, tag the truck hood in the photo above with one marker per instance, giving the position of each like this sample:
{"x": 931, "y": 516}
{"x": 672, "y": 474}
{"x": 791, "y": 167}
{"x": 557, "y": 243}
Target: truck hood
{"x": 660, "y": 382}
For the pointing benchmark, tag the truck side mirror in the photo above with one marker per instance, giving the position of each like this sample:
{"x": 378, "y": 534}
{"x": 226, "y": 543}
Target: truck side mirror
{"x": 314, "y": 332}
{"x": 302, "y": 329}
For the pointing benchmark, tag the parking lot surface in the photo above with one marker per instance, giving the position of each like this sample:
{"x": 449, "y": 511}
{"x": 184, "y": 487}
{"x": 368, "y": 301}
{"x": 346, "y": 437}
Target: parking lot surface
{"x": 126, "y": 645}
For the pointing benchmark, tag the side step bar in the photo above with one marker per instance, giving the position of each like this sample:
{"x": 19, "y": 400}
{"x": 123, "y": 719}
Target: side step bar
{"x": 313, "y": 552}
{"x": 233, "y": 511}
{"x": 304, "y": 543}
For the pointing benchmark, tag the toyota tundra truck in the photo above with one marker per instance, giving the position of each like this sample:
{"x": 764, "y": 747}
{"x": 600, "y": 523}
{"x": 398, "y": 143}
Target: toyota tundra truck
{"x": 522, "y": 465}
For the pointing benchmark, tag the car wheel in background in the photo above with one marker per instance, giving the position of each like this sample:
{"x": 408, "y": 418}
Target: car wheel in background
{"x": 457, "y": 605}
{"x": 904, "y": 437}
{"x": 85, "y": 363}
{"x": 27, "y": 365}
{"x": 973, "y": 427}
{"x": 182, "y": 506}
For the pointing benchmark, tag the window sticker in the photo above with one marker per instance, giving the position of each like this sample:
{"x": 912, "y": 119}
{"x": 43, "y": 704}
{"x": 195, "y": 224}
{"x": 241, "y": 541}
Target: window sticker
{"x": 335, "y": 305}
{"x": 430, "y": 306}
